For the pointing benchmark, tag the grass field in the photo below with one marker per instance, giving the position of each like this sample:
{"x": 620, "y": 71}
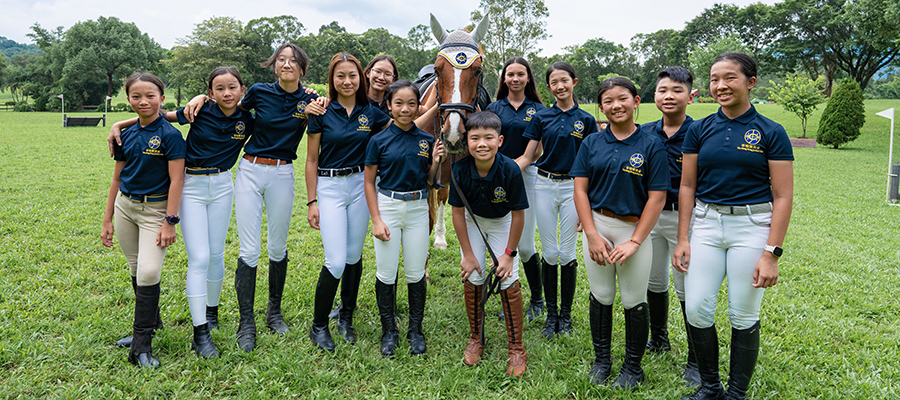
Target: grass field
{"x": 830, "y": 327}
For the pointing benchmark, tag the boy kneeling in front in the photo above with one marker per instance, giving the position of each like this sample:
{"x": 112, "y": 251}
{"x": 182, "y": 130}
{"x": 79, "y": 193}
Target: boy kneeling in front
{"x": 493, "y": 185}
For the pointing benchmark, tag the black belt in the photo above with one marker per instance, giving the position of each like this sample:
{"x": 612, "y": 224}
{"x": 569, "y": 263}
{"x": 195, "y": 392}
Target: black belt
{"x": 333, "y": 172}
{"x": 673, "y": 206}
{"x": 204, "y": 170}
{"x": 405, "y": 196}
{"x": 553, "y": 175}
{"x": 146, "y": 198}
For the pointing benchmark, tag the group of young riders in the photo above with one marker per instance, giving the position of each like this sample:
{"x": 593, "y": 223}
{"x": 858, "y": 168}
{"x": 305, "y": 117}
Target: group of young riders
{"x": 672, "y": 193}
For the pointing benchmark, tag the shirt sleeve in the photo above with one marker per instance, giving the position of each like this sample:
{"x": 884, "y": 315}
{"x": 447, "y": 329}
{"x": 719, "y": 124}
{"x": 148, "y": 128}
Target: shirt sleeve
{"x": 691, "y": 143}
{"x": 454, "y": 200}
{"x": 315, "y": 124}
{"x": 516, "y": 188}
{"x": 180, "y": 115}
{"x": 379, "y": 118}
{"x": 118, "y": 151}
{"x": 250, "y": 97}
{"x": 174, "y": 142}
{"x": 659, "y": 167}
{"x": 591, "y": 123}
{"x": 534, "y": 129}
{"x": 779, "y": 147}
{"x": 373, "y": 153}
{"x": 580, "y": 167}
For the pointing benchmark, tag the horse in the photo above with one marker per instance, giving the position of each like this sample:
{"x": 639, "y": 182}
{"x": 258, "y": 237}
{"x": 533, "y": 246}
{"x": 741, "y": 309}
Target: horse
{"x": 456, "y": 92}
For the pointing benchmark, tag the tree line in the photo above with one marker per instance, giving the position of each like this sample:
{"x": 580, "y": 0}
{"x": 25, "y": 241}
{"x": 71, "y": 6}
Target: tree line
{"x": 822, "y": 40}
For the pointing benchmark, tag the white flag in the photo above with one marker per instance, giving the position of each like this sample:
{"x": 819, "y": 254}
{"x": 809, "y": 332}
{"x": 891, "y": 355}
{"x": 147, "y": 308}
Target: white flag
{"x": 889, "y": 114}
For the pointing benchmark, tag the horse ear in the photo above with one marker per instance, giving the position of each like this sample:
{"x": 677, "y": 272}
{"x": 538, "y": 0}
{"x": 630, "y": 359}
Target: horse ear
{"x": 482, "y": 29}
{"x": 439, "y": 33}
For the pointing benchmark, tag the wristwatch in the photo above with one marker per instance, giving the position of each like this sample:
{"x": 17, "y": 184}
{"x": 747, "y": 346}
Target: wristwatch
{"x": 173, "y": 219}
{"x": 775, "y": 250}
{"x": 512, "y": 253}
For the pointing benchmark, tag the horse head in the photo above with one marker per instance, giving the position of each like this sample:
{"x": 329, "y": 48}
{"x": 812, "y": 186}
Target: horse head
{"x": 458, "y": 69}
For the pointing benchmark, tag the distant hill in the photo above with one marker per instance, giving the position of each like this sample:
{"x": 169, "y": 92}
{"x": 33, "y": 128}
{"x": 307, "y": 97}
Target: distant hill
{"x": 11, "y": 47}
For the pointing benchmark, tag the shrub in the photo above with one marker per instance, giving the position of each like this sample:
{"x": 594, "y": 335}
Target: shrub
{"x": 170, "y": 106}
{"x": 844, "y": 115}
{"x": 123, "y": 107}
{"x": 23, "y": 106}
{"x": 799, "y": 95}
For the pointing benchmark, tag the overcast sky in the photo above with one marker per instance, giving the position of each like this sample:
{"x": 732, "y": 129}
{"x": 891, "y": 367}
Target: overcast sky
{"x": 570, "y": 22}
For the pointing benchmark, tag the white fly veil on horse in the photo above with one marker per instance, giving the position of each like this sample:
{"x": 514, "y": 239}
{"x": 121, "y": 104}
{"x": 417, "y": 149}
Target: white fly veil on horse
{"x": 460, "y": 49}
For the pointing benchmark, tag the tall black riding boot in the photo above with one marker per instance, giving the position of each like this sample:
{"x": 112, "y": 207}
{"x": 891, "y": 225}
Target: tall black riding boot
{"x": 636, "y": 330}
{"x": 146, "y": 301}
{"x": 277, "y": 275}
{"x": 567, "y": 279}
{"x": 744, "y": 352}
{"x": 386, "y": 296}
{"x": 416, "y": 293}
{"x": 212, "y": 317}
{"x": 601, "y": 336}
{"x": 691, "y": 375}
{"x": 326, "y": 289}
{"x": 126, "y": 341}
{"x": 532, "y": 268}
{"x": 349, "y": 294}
{"x": 659, "y": 320}
{"x": 706, "y": 350}
{"x": 548, "y": 273}
{"x": 245, "y": 287}
{"x": 202, "y": 343}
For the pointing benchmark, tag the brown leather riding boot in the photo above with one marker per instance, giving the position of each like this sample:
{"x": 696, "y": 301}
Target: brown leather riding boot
{"x": 476, "y": 317}
{"x": 515, "y": 321}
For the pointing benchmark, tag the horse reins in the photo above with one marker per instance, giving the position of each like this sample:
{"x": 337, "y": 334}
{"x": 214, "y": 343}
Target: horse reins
{"x": 491, "y": 283}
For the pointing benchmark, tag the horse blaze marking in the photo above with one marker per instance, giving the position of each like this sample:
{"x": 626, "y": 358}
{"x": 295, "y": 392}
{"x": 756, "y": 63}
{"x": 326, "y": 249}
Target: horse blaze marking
{"x": 455, "y": 97}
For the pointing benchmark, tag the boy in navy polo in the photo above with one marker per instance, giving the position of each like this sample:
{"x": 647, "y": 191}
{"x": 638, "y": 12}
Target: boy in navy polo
{"x": 673, "y": 94}
{"x": 493, "y": 185}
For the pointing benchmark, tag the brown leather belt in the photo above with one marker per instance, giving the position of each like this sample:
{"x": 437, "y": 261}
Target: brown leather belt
{"x": 626, "y": 218}
{"x": 266, "y": 161}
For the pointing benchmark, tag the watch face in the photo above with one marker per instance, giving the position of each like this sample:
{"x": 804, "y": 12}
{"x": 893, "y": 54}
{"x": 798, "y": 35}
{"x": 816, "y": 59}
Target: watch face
{"x": 173, "y": 219}
{"x": 777, "y": 251}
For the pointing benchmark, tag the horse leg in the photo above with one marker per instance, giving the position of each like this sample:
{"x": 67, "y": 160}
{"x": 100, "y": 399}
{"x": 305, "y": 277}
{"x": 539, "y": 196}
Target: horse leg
{"x": 440, "y": 230}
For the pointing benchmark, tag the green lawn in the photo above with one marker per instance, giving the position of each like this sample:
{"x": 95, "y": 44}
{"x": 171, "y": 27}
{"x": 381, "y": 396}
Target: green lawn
{"x": 830, "y": 327}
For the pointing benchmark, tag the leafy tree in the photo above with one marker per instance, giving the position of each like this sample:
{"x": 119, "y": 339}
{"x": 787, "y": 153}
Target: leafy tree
{"x": 11, "y": 48}
{"x": 844, "y": 115}
{"x": 3, "y": 70}
{"x": 859, "y": 37}
{"x": 215, "y": 42}
{"x": 651, "y": 49}
{"x": 799, "y": 95}
{"x": 273, "y": 31}
{"x": 594, "y": 58}
{"x": 107, "y": 48}
{"x": 702, "y": 57}
{"x": 516, "y": 28}
{"x": 332, "y": 39}
{"x": 420, "y": 49}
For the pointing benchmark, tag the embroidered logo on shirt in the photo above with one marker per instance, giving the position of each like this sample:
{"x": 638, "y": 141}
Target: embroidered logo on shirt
{"x": 579, "y": 129}
{"x": 529, "y": 113}
{"x": 635, "y": 162}
{"x": 301, "y": 110}
{"x": 364, "y": 124}
{"x": 499, "y": 195}
{"x": 752, "y": 138}
{"x": 423, "y": 148}
{"x": 153, "y": 146}
{"x": 239, "y": 129}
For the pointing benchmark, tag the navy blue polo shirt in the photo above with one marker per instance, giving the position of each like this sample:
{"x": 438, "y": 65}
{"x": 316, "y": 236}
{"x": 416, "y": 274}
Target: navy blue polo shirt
{"x": 280, "y": 120}
{"x": 513, "y": 123}
{"x": 216, "y": 140}
{"x": 673, "y": 150}
{"x": 344, "y": 138}
{"x": 146, "y": 152}
{"x": 561, "y": 133}
{"x": 380, "y": 105}
{"x": 492, "y": 196}
{"x": 621, "y": 173}
{"x": 403, "y": 158}
{"x": 733, "y": 155}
